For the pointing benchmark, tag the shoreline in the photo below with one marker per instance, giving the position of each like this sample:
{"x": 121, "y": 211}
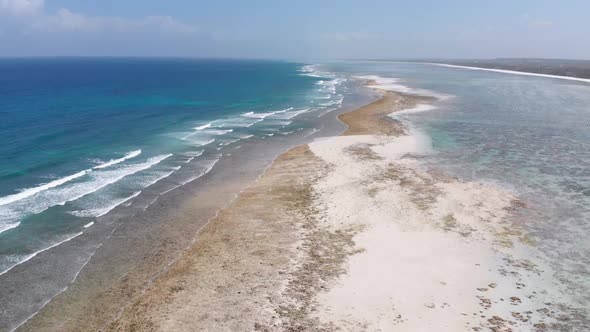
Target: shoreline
{"x": 143, "y": 244}
{"x": 265, "y": 239}
{"x": 349, "y": 232}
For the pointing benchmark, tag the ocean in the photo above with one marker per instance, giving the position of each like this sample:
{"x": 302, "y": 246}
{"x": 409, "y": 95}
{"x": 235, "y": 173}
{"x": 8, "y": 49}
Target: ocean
{"x": 89, "y": 143}
{"x": 83, "y": 136}
{"x": 96, "y": 149}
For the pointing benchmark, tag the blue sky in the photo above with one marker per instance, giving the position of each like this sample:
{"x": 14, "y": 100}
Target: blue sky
{"x": 297, "y": 29}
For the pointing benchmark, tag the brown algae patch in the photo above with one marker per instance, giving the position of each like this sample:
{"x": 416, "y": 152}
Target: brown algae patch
{"x": 244, "y": 264}
{"x": 363, "y": 152}
{"x": 422, "y": 190}
{"x": 374, "y": 119}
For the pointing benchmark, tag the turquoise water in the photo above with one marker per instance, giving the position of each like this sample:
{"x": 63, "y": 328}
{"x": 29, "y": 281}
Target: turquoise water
{"x": 529, "y": 135}
{"x": 83, "y": 136}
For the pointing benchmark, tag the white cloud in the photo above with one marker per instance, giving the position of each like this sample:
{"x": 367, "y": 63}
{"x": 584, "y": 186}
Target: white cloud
{"x": 66, "y": 20}
{"x": 33, "y": 19}
{"x": 21, "y": 7}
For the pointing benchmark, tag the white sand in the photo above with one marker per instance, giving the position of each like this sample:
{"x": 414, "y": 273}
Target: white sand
{"x": 428, "y": 243}
{"x": 514, "y": 72}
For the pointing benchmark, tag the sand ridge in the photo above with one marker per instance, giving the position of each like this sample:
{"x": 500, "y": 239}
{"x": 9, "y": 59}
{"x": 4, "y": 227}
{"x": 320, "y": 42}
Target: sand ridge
{"x": 351, "y": 233}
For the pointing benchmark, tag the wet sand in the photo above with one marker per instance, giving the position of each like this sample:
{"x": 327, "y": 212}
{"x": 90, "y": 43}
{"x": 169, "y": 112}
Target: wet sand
{"x": 350, "y": 233}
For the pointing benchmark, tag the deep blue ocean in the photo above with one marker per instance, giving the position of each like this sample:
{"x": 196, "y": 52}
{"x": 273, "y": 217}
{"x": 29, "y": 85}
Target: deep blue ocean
{"x": 82, "y": 136}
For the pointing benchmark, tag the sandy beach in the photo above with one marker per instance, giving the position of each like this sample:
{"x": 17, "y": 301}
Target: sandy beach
{"x": 351, "y": 233}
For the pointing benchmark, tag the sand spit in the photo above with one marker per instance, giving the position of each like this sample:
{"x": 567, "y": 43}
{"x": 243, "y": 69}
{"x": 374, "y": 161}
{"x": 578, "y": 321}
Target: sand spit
{"x": 350, "y": 233}
{"x": 256, "y": 266}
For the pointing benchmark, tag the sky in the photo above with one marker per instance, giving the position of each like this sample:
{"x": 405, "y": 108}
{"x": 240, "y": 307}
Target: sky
{"x": 302, "y": 29}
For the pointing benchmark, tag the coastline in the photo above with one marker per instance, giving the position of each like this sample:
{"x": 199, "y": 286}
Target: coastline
{"x": 349, "y": 232}
{"x": 144, "y": 243}
{"x": 512, "y": 72}
{"x": 261, "y": 262}
{"x": 489, "y": 69}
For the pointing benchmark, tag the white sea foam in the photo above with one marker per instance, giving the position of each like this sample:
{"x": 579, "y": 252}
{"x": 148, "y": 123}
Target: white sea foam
{"x": 167, "y": 191}
{"x": 387, "y": 83}
{"x": 103, "y": 179}
{"x": 257, "y": 115}
{"x": 327, "y": 111}
{"x": 331, "y": 103}
{"x": 293, "y": 114}
{"x": 208, "y": 168}
{"x": 315, "y": 130}
{"x": 26, "y": 193}
{"x": 337, "y": 100}
{"x": 206, "y": 133}
{"x": 205, "y": 126}
{"x": 9, "y": 225}
{"x": 309, "y": 70}
{"x": 153, "y": 201}
{"x": 238, "y": 122}
{"x": 217, "y": 132}
{"x": 283, "y": 110}
{"x": 393, "y": 84}
{"x": 108, "y": 206}
{"x": 202, "y": 142}
{"x": 416, "y": 109}
{"x": 314, "y": 71}
{"x": 112, "y": 162}
{"x": 89, "y": 224}
{"x": 23, "y": 258}
{"x": 192, "y": 155}
{"x": 55, "y": 183}
{"x": 229, "y": 142}
{"x": 270, "y": 129}
{"x": 101, "y": 211}
{"x": 71, "y": 192}
{"x": 32, "y": 191}
{"x": 290, "y": 114}
{"x": 161, "y": 177}
{"x": 330, "y": 86}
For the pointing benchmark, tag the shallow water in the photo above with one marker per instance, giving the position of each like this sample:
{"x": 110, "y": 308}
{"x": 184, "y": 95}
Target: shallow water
{"x": 529, "y": 135}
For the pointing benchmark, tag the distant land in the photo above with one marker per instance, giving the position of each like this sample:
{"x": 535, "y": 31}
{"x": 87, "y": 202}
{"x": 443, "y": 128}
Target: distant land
{"x": 559, "y": 67}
